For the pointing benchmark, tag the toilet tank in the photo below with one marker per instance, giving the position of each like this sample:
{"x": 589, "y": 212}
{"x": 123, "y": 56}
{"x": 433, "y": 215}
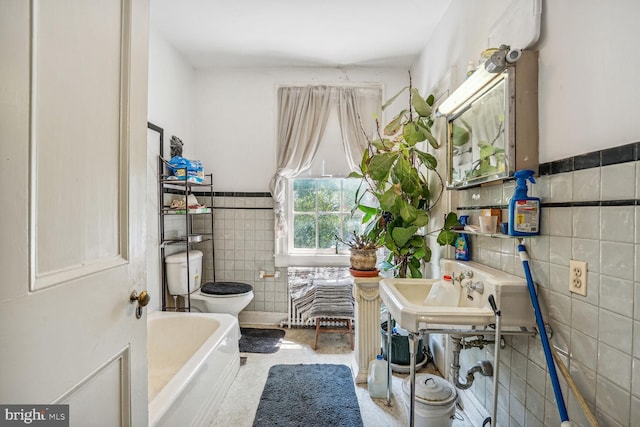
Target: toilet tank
{"x": 176, "y": 267}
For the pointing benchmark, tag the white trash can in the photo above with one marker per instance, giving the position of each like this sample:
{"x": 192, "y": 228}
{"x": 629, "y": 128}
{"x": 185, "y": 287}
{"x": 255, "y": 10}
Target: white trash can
{"x": 435, "y": 400}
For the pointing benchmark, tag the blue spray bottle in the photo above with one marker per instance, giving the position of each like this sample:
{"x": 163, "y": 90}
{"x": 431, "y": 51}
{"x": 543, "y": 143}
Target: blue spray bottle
{"x": 524, "y": 210}
{"x": 462, "y": 247}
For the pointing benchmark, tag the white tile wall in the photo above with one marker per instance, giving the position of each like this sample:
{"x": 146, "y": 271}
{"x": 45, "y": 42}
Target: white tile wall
{"x": 598, "y": 335}
{"x": 244, "y": 245}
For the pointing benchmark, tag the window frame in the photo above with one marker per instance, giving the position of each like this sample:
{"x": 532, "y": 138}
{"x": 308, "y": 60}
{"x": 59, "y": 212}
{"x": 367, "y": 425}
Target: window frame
{"x": 291, "y": 250}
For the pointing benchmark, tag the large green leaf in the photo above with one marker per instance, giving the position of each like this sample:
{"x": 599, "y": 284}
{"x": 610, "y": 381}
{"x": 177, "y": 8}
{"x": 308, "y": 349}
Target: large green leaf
{"x": 427, "y": 133}
{"x": 451, "y": 220}
{"x": 408, "y": 212}
{"x": 412, "y": 133}
{"x": 446, "y": 237}
{"x": 384, "y": 144}
{"x": 407, "y": 176}
{"x": 401, "y": 235}
{"x": 368, "y": 209}
{"x": 416, "y": 241}
{"x": 394, "y": 125}
{"x": 389, "y": 201}
{"x": 380, "y": 165}
{"x": 427, "y": 253}
{"x": 394, "y": 97}
{"x": 422, "y": 218}
{"x": 427, "y": 159}
{"x": 355, "y": 175}
{"x": 412, "y": 183}
{"x": 415, "y": 272}
{"x": 420, "y": 104}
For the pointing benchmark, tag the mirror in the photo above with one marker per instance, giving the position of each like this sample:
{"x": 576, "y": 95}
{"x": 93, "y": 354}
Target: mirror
{"x": 476, "y": 139}
{"x": 486, "y": 139}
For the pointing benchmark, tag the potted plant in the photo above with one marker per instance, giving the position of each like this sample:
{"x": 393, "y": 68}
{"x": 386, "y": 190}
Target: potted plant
{"x": 406, "y": 184}
{"x": 363, "y": 249}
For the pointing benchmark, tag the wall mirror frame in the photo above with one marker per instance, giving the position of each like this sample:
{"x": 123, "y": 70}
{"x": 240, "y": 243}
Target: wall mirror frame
{"x": 492, "y": 124}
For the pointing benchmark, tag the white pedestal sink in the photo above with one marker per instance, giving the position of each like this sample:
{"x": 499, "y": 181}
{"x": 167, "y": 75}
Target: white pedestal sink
{"x": 404, "y": 298}
{"x": 466, "y": 308}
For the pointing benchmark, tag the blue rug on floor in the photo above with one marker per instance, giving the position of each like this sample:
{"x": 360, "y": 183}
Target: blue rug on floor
{"x": 256, "y": 340}
{"x": 319, "y": 395}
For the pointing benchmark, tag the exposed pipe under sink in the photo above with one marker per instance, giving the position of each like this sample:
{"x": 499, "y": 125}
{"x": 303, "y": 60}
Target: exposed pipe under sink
{"x": 484, "y": 366}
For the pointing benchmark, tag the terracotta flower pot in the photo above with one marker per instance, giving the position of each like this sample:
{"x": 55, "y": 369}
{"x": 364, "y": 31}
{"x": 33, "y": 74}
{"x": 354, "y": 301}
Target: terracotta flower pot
{"x": 363, "y": 259}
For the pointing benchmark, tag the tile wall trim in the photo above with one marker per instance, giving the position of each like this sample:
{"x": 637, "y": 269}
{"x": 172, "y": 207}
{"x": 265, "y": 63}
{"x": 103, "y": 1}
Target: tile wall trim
{"x": 241, "y": 208}
{"x": 221, "y": 193}
{"x": 608, "y": 156}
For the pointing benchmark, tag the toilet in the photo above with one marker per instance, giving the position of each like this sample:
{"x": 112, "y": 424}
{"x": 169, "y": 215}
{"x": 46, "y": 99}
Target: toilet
{"x": 212, "y": 297}
{"x": 222, "y": 297}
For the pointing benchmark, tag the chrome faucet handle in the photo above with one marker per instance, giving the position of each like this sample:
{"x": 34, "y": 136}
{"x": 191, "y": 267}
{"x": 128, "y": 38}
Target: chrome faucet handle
{"x": 468, "y": 274}
{"x": 477, "y": 286}
{"x": 458, "y": 278}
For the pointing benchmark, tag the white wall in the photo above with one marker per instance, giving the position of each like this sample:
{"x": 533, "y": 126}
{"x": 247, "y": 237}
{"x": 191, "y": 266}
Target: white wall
{"x": 171, "y": 88}
{"x": 589, "y": 87}
{"x": 236, "y": 111}
{"x": 589, "y": 61}
{"x": 170, "y": 106}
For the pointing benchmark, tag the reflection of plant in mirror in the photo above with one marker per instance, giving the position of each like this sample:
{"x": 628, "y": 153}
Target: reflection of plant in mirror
{"x": 491, "y": 158}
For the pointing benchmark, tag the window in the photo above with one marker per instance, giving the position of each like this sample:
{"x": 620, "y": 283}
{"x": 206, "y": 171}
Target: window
{"x": 320, "y": 209}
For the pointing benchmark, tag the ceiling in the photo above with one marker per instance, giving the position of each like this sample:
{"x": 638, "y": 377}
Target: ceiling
{"x": 297, "y": 33}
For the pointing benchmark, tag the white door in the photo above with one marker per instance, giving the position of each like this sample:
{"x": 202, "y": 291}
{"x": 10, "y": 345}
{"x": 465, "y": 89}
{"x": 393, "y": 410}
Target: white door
{"x": 73, "y": 94}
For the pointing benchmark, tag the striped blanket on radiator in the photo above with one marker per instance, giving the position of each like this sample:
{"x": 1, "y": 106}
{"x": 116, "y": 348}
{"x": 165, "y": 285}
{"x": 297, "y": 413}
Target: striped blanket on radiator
{"x": 321, "y": 292}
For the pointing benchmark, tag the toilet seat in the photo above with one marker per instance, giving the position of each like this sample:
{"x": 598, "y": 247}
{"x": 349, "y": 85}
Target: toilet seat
{"x": 225, "y": 289}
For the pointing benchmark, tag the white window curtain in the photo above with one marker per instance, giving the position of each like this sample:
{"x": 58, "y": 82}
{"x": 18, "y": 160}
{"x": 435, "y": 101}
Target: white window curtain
{"x": 356, "y": 108}
{"x": 302, "y": 119}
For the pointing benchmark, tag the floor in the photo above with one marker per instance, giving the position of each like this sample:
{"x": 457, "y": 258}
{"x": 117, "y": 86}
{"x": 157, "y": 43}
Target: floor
{"x": 240, "y": 404}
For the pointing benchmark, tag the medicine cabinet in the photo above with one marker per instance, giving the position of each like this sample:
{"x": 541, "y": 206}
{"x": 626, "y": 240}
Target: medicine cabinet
{"x": 492, "y": 124}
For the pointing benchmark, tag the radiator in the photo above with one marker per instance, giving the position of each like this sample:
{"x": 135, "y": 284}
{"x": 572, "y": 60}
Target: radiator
{"x": 294, "y": 317}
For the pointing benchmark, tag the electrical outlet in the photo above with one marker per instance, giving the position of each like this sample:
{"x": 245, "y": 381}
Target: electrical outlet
{"x": 578, "y": 277}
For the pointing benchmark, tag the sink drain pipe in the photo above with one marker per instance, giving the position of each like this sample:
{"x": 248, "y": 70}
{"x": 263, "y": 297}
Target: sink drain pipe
{"x": 484, "y": 367}
{"x": 551, "y": 367}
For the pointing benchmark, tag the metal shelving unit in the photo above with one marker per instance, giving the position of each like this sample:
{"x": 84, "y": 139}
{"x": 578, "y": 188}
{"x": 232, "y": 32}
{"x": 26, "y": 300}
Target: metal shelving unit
{"x": 189, "y": 238}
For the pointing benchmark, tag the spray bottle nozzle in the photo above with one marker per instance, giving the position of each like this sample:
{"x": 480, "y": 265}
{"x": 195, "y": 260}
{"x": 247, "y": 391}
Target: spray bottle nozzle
{"x": 523, "y": 176}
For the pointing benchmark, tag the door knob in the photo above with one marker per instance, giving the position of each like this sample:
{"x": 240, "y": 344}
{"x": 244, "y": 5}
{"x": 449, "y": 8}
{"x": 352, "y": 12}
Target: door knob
{"x": 142, "y": 299}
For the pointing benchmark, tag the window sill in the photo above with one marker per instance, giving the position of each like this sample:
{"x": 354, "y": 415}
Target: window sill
{"x": 309, "y": 260}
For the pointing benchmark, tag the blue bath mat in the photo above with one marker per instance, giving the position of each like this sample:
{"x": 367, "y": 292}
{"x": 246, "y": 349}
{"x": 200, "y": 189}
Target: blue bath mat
{"x": 309, "y": 395}
{"x": 256, "y": 340}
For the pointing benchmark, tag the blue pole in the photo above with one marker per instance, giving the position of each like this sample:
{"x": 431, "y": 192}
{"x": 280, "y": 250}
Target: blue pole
{"x": 551, "y": 366}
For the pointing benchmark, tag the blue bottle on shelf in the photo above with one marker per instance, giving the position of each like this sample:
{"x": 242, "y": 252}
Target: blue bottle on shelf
{"x": 524, "y": 210}
{"x": 462, "y": 247}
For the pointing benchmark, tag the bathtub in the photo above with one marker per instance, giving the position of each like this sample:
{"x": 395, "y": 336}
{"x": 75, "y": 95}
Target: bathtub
{"x": 193, "y": 358}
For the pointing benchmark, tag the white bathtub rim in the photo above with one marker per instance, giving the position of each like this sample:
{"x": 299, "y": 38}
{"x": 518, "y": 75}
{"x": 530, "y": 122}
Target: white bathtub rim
{"x": 175, "y": 387}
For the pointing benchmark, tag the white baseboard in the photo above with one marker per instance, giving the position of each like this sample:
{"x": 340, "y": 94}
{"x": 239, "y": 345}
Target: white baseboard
{"x": 261, "y": 318}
